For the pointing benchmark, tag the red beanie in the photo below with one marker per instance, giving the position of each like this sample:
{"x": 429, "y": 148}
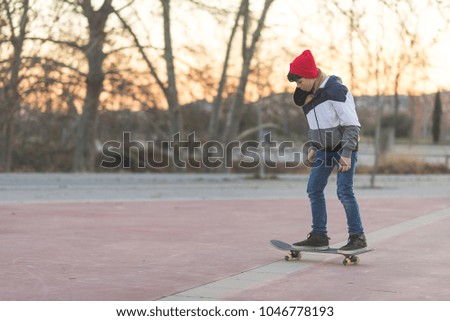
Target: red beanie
{"x": 304, "y": 66}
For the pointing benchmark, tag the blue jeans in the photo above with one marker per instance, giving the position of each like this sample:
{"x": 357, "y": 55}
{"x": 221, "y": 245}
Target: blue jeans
{"x": 323, "y": 166}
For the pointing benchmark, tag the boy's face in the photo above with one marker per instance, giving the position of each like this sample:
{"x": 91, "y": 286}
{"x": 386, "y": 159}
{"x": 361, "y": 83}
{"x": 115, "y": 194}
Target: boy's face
{"x": 305, "y": 84}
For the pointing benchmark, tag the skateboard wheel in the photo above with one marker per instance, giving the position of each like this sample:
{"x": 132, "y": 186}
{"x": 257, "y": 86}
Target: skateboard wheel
{"x": 347, "y": 261}
{"x": 293, "y": 256}
{"x": 354, "y": 259}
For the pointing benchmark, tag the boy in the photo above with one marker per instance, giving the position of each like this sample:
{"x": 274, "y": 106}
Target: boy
{"x": 333, "y": 137}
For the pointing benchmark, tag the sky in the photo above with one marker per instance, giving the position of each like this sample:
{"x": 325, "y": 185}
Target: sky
{"x": 199, "y": 39}
{"x": 295, "y": 25}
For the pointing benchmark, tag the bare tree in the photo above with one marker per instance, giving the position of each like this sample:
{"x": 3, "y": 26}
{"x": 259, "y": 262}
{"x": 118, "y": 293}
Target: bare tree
{"x": 213, "y": 122}
{"x": 84, "y": 156}
{"x": 17, "y": 18}
{"x": 353, "y": 15}
{"x": 410, "y": 53}
{"x": 379, "y": 115}
{"x": 169, "y": 90}
{"x": 385, "y": 69}
{"x": 92, "y": 49}
{"x": 248, "y": 52}
{"x": 176, "y": 123}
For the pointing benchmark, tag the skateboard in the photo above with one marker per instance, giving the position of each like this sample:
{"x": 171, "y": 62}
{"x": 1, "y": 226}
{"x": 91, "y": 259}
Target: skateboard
{"x": 295, "y": 254}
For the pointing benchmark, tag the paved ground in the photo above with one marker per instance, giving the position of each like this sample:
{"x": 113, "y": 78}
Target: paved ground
{"x": 205, "y": 237}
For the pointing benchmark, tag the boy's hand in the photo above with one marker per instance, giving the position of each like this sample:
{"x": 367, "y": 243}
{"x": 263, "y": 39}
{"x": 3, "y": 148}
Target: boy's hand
{"x": 311, "y": 157}
{"x": 345, "y": 163}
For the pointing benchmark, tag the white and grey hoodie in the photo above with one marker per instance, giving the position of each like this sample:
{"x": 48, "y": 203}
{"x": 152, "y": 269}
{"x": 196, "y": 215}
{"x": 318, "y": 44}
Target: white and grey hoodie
{"x": 332, "y": 119}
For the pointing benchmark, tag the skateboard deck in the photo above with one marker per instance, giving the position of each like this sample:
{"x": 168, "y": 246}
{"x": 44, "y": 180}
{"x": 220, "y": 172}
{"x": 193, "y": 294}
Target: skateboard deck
{"x": 295, "y": 254}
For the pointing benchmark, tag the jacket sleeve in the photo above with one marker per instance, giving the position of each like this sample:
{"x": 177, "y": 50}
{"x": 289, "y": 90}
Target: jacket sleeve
{"x": 349, "y": 140}
{"x": 348, "y": 122}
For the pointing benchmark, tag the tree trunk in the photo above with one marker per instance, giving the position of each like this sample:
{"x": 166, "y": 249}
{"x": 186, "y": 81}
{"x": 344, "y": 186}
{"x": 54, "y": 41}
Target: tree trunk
{"x": 84, "y": 156}
{"x": 377, "y": 147}
{"x": 11, "y": 106}
{"x": 176, "y": 122}
{"x": 6, "y": 148}
{"x": 213, "y": 130}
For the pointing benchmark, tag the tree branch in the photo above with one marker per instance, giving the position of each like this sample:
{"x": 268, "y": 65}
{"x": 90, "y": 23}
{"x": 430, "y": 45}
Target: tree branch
{"x": 124, "y": 48}
{"x": 141, "y": 50}
{"x": 39, "y": 60}
{"x": 211, "y": 9}
{"x": 87, "y": 7}
{"x": 71, "y": 44}
{"x": 125, "y": 6}
{"x": 9, "y": 16}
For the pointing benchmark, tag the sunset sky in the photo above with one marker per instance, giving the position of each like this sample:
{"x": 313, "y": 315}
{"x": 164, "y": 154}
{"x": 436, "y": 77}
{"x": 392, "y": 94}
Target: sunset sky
{"x": 295, "y": 25}
{"x": 200, "y": 38}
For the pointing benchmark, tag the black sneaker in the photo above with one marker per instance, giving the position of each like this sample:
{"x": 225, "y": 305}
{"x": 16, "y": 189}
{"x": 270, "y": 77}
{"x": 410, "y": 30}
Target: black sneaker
{"x": 316, "y": 242}
{"x": 355, "y": 244}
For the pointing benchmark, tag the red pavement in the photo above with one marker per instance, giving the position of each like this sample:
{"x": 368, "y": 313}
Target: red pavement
{"x": 149, "y": 250}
